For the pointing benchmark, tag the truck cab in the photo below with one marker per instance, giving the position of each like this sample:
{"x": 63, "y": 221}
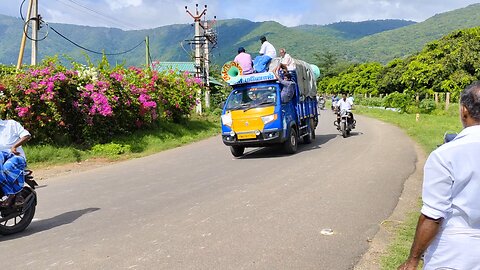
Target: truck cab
{"x": 255, "y": 116}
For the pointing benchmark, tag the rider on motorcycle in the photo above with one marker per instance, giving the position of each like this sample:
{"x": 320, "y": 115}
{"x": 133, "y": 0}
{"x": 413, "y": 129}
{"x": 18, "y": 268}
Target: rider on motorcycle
{"x": 12, "y": 160}
{"x": 345, "y": 104}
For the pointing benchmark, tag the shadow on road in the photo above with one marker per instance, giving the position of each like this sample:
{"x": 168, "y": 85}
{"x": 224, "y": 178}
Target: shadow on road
{"x": 277, "y": 151}
{"x": 47, "y": 224}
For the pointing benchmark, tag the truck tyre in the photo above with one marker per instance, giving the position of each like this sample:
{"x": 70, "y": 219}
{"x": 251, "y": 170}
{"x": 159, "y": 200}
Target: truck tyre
{"x": 290, "y": 145}
{"x": 237, "y": 151}
{"x": 310, "y": 133}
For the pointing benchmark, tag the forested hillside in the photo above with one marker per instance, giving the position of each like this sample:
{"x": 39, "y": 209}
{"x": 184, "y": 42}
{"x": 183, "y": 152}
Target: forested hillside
{"x": 385, "y": 46}
{"x": 379, "y": 41}
{"x": 447, "y": 65}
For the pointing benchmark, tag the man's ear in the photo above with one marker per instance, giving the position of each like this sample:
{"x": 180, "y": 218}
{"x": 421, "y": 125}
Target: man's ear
{"x": 464, "y": 113}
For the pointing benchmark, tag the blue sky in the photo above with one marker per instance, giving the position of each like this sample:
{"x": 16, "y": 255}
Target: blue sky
{"x": 144, "y": 14}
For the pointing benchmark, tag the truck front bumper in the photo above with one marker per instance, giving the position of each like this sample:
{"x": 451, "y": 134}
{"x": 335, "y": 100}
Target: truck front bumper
{"x": 265, "y": 138}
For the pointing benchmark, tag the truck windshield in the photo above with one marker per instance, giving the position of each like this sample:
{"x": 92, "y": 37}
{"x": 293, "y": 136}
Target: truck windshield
{"x": 252, "y": 97}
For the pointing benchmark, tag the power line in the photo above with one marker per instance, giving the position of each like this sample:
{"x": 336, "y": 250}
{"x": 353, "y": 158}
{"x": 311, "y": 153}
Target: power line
{"x": 92, "y": 51}
{"x": 98, "y": 13}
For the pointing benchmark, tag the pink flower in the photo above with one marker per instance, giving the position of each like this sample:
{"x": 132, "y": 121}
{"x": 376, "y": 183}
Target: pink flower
{"x": 22, "y": 111}
{"x": 116, "y": 76}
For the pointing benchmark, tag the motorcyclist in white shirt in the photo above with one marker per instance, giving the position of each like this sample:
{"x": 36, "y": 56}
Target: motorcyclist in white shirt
{"x": 345, "y": 104}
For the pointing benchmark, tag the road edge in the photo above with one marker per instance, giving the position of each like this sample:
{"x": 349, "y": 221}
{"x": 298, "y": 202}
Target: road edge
{"x": 407, "y": 203}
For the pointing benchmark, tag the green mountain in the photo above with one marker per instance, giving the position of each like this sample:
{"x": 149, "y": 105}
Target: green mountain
{"x": 380, "y": 40}
{"x": 401, "y": 42}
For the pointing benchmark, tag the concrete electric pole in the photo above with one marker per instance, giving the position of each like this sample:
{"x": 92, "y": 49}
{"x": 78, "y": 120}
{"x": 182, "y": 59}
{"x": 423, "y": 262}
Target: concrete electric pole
{"x": 34, "y": 19}
{"x": 198, "y": 53}
{"x": 203, "y": 37}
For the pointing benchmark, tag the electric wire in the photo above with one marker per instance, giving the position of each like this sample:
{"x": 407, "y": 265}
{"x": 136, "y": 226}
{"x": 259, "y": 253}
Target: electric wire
{"x": 74, "y": 43}
{"x": 112, "y": 19}
{"x": 92, "y": 51}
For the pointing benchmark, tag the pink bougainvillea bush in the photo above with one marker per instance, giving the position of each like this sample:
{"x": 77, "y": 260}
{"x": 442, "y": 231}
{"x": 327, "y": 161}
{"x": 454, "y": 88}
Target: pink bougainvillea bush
{"x": 90, "y": 104}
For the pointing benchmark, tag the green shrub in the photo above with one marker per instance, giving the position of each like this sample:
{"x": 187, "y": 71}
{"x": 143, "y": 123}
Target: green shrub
{"x": 370, "y": 102}
{"x": 397, "y": 100}
{"x": 111, "y": 149}
{"x": 427, "y": 106}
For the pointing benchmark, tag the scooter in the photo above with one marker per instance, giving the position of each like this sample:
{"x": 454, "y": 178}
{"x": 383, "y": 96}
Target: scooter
{"x": 16, "y": 217}
{"x": 345, "y": 122}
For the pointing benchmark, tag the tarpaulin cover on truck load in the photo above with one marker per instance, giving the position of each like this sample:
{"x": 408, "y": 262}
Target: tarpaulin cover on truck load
{"x": 306, "y": 79}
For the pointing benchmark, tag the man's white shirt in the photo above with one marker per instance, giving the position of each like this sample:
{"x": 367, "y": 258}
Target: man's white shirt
{"x": 268, "y": 49}
{"x": 10, "y": 132}
{"x": 344, "y": 104}
{"x": 451, "y": 190}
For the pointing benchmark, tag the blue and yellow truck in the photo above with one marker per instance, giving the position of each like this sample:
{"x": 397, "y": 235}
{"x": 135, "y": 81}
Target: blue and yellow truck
{"x": 254, "y": 115}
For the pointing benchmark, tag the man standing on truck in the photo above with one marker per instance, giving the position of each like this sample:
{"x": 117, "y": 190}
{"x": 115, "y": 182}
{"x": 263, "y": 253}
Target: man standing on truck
{"x": 288, "y": 86}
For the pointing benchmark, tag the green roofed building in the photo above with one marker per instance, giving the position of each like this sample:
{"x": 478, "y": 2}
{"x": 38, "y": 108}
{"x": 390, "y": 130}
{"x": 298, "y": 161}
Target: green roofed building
{"x": 182, "y": 67}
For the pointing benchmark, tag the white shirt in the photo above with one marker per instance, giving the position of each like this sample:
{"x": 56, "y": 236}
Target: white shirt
{"x": 288, "y": 61}
{"x": 344, "y": 104}
{"x": 451, "y": 190}
{"x": 10, "y": 132}
{"x": 268, "y": 49}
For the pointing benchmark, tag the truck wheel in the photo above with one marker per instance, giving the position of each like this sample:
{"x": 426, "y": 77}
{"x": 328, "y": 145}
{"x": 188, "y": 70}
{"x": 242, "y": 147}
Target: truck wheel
{"x": 290, "y": 146}
{"x": 311, "y": 133}
{"x": 237, "y": 151}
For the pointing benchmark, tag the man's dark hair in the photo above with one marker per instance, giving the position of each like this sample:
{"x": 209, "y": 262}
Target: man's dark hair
{"x": 263, "y": 39}
{"x": 470, "y": 98}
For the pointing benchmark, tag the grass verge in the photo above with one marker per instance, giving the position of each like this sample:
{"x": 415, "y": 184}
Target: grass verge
{"x": 141, "y": 143}
{"x": 428, "y": 132}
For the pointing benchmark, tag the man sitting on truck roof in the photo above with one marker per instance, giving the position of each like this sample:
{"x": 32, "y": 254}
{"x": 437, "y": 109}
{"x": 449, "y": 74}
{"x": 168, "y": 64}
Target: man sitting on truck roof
{"x": 267, "y": 53}
{"x": 244, "y": 60}
{"x": 286, "y": 59}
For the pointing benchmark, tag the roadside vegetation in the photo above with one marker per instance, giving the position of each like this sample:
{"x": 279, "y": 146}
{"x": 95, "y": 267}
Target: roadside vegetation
{"x": 418, "y": 93}
{"x": 101, "y": 111}
{"x": 165, "y": 135}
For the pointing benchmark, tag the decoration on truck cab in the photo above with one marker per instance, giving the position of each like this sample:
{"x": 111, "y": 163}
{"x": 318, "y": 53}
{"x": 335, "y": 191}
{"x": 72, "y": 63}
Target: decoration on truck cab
{"x": 231, "y": 70}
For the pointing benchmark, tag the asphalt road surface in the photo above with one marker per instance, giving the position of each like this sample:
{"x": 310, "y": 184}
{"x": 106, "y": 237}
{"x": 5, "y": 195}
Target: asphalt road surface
{"x": 197, "y": 207}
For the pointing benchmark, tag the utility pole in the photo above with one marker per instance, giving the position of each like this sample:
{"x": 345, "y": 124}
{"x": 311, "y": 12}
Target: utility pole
{"x": 35, "y": 26}
{"x": 204, "y": 35}
{"x": 209, "y": 37}
{"x": 147, "y": 52}
{"x": 207, "y": 67}
{"x": 24, "y": 35}
{"x": 198, "y": 54}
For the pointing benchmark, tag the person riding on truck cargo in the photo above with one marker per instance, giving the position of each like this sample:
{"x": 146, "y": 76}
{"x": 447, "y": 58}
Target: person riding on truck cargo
{"x": 267, "y": 53}
{"x": 288, "y": 86}
{"x": 244, "y": 60}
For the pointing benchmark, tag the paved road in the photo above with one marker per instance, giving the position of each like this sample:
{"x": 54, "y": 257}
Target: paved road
{"x": 197, "y": 207}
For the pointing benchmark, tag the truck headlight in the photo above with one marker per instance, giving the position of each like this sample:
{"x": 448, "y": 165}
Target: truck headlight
{"x": 269, "y": 118}
{"x": 227, "y": 119}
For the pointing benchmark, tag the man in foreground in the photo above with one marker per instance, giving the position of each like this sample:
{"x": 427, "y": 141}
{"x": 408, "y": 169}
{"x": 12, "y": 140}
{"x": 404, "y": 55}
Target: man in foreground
{"x": 12, "y": 159}
{"x": 448, "y": 230}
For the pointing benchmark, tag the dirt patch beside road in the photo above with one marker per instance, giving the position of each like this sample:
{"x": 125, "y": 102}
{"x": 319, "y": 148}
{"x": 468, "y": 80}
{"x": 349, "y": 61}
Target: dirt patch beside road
{"x": 48, "y": 172}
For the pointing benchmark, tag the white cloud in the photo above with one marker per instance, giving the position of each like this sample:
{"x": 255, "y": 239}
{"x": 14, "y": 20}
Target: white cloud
{"x": 119, "y": 4}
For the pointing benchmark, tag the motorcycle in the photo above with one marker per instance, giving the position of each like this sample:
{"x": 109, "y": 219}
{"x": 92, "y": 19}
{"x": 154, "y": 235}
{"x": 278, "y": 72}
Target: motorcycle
{"x": 345, "y": 122}
{"x": 16, "y": 217}
{"x": 321, "y": 103}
